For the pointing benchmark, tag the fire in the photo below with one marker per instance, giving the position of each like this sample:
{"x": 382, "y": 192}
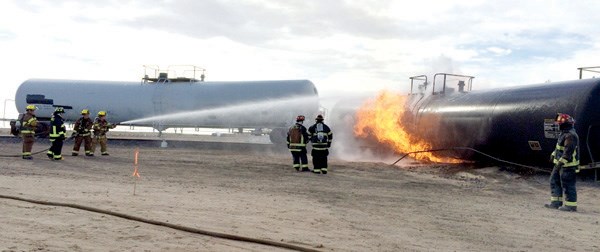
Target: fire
{"x": 383, "y": 119}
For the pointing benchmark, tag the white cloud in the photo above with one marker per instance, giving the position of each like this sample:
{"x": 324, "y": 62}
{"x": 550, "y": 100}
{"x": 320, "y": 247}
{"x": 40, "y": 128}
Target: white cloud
{"x": 339, "y": 45}
{"x": 499, "y": 51}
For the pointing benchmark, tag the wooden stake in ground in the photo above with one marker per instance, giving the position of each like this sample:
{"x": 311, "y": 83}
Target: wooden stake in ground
{"x": 136, "y": 174}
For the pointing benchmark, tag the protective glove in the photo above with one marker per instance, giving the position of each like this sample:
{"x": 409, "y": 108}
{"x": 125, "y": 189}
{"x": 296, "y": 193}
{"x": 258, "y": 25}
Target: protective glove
{"x": 559, "y": 165}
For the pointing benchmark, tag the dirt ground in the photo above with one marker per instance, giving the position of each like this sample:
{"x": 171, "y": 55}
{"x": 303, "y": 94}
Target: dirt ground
{"x": 359, "y": 206}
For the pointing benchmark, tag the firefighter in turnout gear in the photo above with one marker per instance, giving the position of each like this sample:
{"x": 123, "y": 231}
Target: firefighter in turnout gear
{"x": 566, "y": 163}
{"x": 297, "y": 138}
{"x": 57, "y": 134}
{"x": 320, "y": 136}
{"x": 83, "y": 133}
{"x": 27, "y": 125}
{"x": 101, "y": 126}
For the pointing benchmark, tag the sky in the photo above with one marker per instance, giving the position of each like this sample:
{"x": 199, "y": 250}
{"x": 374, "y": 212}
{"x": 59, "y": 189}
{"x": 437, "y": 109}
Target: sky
{"x": 341, "y": 46}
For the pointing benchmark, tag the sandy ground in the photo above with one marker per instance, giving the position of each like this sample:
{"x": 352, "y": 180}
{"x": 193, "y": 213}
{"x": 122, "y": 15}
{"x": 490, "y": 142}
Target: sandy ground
{"x": 359, "y": 206}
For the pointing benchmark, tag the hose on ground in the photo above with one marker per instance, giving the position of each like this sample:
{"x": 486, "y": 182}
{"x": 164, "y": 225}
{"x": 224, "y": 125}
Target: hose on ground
{"x": 34, "y": 153}
{"x": 169, "y": 225}
{"x": 476, "y": 151}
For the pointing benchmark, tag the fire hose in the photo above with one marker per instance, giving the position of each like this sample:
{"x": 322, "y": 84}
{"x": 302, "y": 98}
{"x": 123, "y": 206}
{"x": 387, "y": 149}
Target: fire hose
{"x": 34, "y": 153}
{"x": 476, "y": 151}
{"x": 158, "y": 223}
{"x": 165, "y": 224}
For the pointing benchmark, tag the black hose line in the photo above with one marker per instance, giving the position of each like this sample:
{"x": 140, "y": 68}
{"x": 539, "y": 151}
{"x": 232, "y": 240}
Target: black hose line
{"x": 165, "y": 224}
{"x": 476, "y": 151}
{"x": 33, "y": 153}
{"x": 158, "y": 223}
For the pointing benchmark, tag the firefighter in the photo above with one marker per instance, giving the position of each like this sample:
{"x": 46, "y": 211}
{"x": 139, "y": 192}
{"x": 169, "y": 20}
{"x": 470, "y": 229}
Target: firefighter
{"x": 566, "y": 164}
{"x": 27, "y": 126}
{"x": 320, "y": 136}
{"x": 82, "y": 128}
{"x": 101, "y": 126}
{"x": 297, "y": 138}
{"x": 57, "y": 134}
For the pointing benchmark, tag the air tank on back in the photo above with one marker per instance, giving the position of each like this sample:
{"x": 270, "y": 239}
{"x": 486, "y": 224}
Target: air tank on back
{"x": 514, "y": 123}
{"x": 163, "y": 102}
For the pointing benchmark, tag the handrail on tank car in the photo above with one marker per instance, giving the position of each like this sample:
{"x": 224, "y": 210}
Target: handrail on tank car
{"x": 182, "y": 73}
{"x": 587, "y": 143}
{"x": 581, "y": 69}
{"x": 469, "y": 86}
{"x": 418, "y": 77}
{"x": 593, "y": 165}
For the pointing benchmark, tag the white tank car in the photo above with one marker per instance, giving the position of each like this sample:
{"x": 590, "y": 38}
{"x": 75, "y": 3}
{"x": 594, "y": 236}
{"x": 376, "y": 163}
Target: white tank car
{"x": 170, "y": 103}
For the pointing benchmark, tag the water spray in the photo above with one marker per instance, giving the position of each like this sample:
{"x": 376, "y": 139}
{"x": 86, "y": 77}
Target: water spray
{"x": 241, "y": 114}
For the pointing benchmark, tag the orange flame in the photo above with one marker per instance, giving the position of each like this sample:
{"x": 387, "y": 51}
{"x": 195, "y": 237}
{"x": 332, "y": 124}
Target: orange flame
{"x": 383, "y": 119}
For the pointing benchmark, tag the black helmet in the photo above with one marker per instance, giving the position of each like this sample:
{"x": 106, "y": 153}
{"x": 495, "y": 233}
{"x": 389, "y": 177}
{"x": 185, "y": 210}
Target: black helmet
{"x": 59, "y": 110}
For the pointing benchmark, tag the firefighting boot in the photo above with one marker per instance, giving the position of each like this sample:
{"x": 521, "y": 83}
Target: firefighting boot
{"x": 323, "y": 170}
{"x": 89, "y": 154}
{"x": 105, "y": 154}
{"x": 316, "y": 171}
{"x": 50, "y": 155}
{"x": 27, "y": 157}
{"x": 554, "y": 205}
{"x": 305, "y": 168}
{"x": 568, "y": 208}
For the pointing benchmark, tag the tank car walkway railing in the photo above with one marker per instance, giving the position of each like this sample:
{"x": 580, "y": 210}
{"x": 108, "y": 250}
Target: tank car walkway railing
{"x": 596, "y": 69}
{"x": 462, "y": 88}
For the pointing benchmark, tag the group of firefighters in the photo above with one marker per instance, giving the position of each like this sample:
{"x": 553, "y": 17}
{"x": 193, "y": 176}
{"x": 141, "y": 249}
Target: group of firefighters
{"x": 87, "y": 131}
{"x": 565, "y": 156}
{"x": 562, "y": 179}
{"x": 319, "y": 134}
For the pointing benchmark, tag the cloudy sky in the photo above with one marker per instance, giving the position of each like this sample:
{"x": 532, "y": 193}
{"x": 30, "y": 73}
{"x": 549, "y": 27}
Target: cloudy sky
{"x": 342, "y": 46}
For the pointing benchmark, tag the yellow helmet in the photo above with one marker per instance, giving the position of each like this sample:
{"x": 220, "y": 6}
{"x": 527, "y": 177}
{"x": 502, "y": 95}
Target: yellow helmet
{"x": 31, "y": 107}
{"x": 102, "y": 113}
{"x": 85, "y": 112}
